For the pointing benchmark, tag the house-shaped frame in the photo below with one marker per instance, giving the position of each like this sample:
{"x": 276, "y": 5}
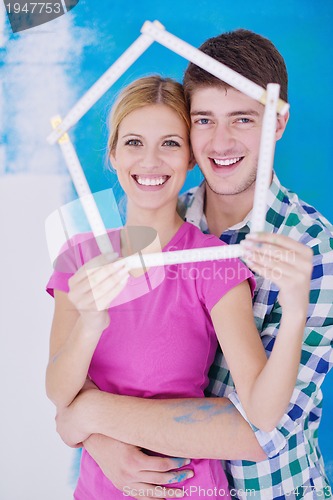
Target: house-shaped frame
{"x": 150, "y": 32}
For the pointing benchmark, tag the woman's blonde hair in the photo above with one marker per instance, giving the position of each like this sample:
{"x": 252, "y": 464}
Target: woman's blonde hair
{"x": 142, "y": 92}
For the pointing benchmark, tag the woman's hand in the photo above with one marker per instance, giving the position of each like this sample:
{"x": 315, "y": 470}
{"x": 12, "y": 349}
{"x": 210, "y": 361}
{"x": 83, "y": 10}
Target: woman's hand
{"x": 71, "y": 420}
{"x": 285, "y": 262}
{"x": 94, "y": 286}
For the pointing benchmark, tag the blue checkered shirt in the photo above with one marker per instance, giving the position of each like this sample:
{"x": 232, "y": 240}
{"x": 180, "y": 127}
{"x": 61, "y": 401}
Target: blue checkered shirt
{"x": 294, "y": 467}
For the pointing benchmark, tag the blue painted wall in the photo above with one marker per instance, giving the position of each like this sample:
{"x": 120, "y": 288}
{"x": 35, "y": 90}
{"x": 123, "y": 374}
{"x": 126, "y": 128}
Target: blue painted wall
{"x": 301, "y": 30}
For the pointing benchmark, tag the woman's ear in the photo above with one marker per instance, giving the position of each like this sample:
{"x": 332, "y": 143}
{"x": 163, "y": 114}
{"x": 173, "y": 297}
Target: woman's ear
{"x": 113, "y": 160}
{"x": 281, "y": 124}
{"x": 192, "y": 162}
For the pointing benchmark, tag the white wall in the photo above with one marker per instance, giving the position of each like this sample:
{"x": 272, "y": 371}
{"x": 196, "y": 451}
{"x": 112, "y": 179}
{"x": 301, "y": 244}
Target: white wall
{"x": 34, "y": 463}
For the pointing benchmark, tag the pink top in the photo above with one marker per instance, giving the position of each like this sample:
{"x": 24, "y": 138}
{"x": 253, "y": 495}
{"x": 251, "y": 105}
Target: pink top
{"x": 162, "y": 343}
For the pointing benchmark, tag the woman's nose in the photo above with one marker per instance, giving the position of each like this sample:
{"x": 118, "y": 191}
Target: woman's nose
{"x": 150, "y": 158}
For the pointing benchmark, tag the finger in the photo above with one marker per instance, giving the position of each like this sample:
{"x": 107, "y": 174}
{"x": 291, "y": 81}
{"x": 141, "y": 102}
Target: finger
{"x": 95, "y": 289}
{"x": 270, "y": 253}
{"x": 280, "y": 240}
{"x": 276, "y": 251}
{"x": 286, "y": 262}
{"x": 303, "y": 256}
{"x": 103, "y": 302}
{"x": 161, "y": 464}
{"x": 274, "y": 273}
{"x": 152, "y": 491}
{"x": 106, "y": 271}
{"x": 166, "y": 477}
{"x": 102, "y": 259}
{"x": 96, "y": 269}
{"x": 109, "y": 286}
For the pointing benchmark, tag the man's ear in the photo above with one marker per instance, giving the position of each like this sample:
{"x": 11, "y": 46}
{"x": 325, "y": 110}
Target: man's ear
{"x": 281, "y": 124}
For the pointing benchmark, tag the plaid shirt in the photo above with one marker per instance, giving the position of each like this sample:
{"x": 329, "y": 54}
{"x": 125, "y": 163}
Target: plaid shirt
{"x": 294, "y": 467}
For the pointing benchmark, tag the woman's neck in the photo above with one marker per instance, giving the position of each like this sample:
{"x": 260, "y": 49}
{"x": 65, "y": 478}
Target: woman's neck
{"x": 165, "y": 221}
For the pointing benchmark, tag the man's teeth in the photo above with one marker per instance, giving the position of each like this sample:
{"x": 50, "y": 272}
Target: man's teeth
{"x": 156, "y": 181}
{"x": 225, "y": 163}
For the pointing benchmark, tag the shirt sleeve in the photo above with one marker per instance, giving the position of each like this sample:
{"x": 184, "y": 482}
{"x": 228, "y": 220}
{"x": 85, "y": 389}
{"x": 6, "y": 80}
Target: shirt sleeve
{"x": 218, "y": 277}
{"x": 64, "y": 267}
{"x": 316, "y": 359}
{"x": 74, "y": 253}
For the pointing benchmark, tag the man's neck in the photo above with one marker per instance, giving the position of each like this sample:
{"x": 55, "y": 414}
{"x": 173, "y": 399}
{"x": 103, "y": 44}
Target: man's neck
{"x": 224, "y": 211}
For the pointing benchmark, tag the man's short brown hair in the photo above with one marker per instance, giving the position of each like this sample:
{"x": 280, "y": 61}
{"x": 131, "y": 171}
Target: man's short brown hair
{"x": 251, "y": 55}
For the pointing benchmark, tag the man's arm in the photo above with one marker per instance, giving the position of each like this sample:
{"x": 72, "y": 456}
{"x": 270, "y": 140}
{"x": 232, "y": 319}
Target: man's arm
{"x": 316, "y": 356}
{"x": 196, "y": 428}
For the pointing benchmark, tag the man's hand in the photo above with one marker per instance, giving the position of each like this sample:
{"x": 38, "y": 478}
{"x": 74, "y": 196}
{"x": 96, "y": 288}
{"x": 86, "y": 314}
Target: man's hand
{"x": 132, "y": 471}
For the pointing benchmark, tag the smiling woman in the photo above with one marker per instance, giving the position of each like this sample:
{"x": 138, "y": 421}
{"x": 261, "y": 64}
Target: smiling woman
{"x": 149, "y": 144}
{"x": 156, "y": 158}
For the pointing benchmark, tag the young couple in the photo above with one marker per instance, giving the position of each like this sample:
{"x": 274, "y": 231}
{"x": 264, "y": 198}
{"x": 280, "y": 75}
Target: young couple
{"x": 150, "y": 357}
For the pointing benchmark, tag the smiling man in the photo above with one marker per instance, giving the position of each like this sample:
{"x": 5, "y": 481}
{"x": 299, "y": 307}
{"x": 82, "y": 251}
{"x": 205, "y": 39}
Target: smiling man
{"x": 283, "y": 463}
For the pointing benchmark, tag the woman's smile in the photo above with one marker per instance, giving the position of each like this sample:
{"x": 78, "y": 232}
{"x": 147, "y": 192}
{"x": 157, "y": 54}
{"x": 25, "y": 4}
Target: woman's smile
{"x": 153, "y": 182}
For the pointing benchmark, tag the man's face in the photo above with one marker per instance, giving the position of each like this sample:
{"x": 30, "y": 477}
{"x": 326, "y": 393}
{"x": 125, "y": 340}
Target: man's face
{"x": 225, "y": 136}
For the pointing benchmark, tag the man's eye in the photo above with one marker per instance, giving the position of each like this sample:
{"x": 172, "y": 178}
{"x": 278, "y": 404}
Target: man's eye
{"x": 171, "y": 143}
{"x": 244, "y": 120}
{"x": 203, "y": 121}
{"x": 133, "y": 142}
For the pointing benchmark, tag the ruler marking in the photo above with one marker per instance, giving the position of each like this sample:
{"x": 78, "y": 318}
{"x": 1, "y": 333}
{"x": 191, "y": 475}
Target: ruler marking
{"x": 82, "y": 188}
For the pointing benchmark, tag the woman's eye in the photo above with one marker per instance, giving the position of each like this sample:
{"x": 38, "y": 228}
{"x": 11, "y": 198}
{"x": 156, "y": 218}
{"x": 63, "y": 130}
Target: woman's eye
{"x": 133, "y": 142}
{"x": 171, "y": 143}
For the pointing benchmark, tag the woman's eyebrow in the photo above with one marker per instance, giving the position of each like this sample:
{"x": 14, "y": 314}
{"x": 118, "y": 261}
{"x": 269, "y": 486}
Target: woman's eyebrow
{"x": 131, "y": 134}
{"x": 172, "y": 135}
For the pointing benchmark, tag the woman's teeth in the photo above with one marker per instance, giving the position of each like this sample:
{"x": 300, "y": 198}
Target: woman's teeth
{"x": 146, "y": 181}
{"x": 225, "y": 163}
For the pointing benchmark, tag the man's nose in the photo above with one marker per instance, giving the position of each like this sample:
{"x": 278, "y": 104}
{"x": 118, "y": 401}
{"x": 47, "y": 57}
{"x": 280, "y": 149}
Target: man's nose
{"x": 222, "y": 138}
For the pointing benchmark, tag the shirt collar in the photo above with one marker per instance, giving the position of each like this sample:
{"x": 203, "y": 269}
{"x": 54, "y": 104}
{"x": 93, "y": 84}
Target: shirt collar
{"x": 275, "y": 198}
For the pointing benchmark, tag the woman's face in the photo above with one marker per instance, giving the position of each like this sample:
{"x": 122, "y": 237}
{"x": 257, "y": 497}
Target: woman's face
{"x": 152, "y": 155}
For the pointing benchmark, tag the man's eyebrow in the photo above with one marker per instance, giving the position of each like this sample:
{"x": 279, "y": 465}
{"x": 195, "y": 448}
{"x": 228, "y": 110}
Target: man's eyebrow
{"x": 249, "y": 112}
{"x": 206, "y": 113}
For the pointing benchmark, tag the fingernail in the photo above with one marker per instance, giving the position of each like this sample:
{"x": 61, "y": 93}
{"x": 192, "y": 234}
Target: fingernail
{"x": 119, "y": 264}
{"x": 180, "y": 462}
{"x": 253, "y": 236}
{"x": 248, "y": 244}
{"x": 178, "y": 493}
{"x": 124, "y": 279}
{"x": 179, "y": 478}
{"x": 122, "y": 271}
{"x": 111, "y": 256}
